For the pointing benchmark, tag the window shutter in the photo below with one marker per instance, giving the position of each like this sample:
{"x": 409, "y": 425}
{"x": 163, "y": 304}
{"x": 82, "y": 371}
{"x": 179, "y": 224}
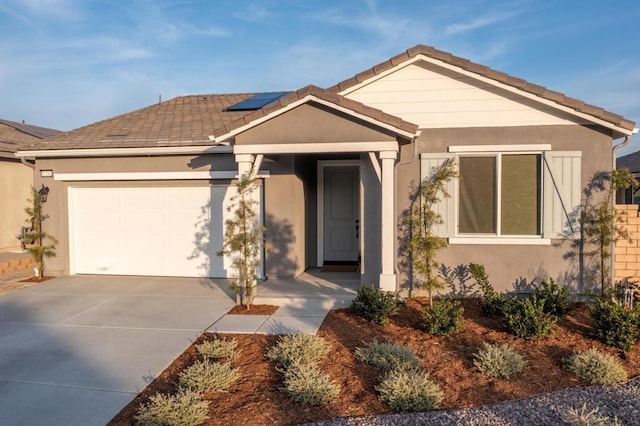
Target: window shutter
{"x": 446, "y": 208}
{"x": 562, "y": 190}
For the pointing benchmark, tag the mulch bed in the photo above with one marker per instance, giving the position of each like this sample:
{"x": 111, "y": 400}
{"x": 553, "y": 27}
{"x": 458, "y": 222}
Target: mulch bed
{"x": 36, "y": 279}
{"x": 255, "y": 399}
{"x": 253, "y": 310}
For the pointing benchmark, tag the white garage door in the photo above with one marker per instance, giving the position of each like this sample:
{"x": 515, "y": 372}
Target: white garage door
{"x": 160, "y": 231}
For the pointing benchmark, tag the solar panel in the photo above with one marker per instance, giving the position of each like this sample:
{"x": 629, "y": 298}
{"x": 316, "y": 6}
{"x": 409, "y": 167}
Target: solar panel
{"x": 257, "y": 101}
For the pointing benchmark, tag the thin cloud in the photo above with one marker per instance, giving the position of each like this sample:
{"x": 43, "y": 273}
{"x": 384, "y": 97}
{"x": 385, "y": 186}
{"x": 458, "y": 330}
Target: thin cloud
{"x": 255, "y": 13}
{"x": 481, "y": 22}
{"x": 67, "y": 10}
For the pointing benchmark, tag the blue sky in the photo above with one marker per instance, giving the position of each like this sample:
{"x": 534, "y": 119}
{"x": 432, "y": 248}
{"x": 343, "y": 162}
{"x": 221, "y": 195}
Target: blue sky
{"x": 68, "y": 63}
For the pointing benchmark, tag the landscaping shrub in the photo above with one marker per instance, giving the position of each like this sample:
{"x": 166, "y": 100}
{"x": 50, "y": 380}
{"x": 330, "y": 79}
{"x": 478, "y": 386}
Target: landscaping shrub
{"x": 494, "y": 303}
{"x": 207, "y": 376}
{"x": 526, "y": 318}
{"x": 387, "y": 355}
{"x": 218, "y": 348}
{"x": 585, "y": 417}
{"x": 182, "y": 409}
{"x": 555, "y": 298}
{"x": 409, "y": 390}
{"x": 443, "y": 318}
{"x": 375, "y": 305}
{"x": 305, "y": 384}
{"x": 595, "y": 367}
{"x": 498, "y": 361}
{"x": 301, "y": 349}
{"x": 615, "y": 325}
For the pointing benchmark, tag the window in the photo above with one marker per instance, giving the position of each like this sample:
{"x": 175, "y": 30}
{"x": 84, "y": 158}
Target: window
{"x": 499, "y": 194}
{"x": 508, "y": 194}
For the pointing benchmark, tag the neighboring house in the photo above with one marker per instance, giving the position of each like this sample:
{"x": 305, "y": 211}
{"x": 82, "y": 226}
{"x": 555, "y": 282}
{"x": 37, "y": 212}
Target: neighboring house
{"x": 144, "y": 193}
{"x": 631, "y": 162}
{"x": 16, "y": 178}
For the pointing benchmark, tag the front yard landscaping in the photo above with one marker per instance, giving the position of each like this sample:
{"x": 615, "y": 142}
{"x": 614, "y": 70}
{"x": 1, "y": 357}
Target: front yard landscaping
{"x": 257, "y": 398}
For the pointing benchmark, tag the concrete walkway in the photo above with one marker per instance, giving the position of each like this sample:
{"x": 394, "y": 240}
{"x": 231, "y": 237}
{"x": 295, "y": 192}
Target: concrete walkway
{"x": 75, "y": 350}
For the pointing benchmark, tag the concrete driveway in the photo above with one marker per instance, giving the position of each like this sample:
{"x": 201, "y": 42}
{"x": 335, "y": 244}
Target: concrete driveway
{"x": 75, "y": 350}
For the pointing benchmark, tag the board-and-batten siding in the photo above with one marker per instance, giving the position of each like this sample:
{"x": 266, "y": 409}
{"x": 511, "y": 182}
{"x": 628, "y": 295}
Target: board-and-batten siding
{"x": 439, "y": 99}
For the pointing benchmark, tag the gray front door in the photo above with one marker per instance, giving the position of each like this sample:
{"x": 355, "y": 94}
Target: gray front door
{"x": 341, "y": 213}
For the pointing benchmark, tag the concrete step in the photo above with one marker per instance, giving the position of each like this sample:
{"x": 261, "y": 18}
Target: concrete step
{"x": 302, "y": 302}
{"x": 15, "y": 262}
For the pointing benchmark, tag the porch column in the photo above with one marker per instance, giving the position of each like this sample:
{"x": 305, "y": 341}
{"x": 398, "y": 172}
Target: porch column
{"x": 388, "y": 275}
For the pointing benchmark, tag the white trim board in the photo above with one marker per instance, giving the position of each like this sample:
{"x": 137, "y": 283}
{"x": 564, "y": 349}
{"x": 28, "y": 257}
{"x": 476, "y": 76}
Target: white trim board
{"x": 500, "y": 148}
{"x": 110, "y": 176}
{"x": 307, "y": 148}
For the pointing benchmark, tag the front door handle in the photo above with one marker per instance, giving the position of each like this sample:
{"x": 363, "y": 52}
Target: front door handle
{"x": 357, "y": 229}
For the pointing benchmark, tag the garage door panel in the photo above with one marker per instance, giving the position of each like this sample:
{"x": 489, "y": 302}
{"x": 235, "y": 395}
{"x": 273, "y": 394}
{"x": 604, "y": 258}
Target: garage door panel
{"x": 162, "y": 231}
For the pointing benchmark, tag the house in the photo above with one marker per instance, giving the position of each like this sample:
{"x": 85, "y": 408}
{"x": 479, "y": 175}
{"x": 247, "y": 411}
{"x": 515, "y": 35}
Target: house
{"x": 144, "y": 193}
{"x": 16, "y": 177}
{"x": 631, "y": 162}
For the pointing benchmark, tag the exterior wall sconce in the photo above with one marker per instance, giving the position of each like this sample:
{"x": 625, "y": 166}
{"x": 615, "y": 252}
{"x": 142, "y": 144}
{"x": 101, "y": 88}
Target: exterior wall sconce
{"x": 43, "y": 193}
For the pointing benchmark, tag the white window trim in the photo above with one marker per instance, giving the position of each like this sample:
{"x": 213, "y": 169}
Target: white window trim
{"x": 488, "y": 149}
{"x": 497, "y": 151}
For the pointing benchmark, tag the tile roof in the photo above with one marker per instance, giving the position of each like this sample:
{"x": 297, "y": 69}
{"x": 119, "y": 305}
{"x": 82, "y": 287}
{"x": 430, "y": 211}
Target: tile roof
{"x": 485, "y": 71}
{"x": 181, "y": 121}
{"x": 630, "y": 161}
{"x": 190, "y": 120}
{"x": 14, "y": 136}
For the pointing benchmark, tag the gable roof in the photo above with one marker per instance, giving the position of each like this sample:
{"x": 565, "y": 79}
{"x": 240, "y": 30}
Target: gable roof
{"x": 310, "y": 94}
{"x": 630, "y": 161}
{"x": 484, "y": 71}
{"x": 203, "y": 120}
{"x": 15, "y": 136}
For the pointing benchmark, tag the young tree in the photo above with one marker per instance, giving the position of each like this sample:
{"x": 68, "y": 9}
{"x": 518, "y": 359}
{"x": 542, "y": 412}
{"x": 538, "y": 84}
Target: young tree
{"x": 36, "y": 237}
{"x": 601, "y": 226}
{"x": 242, "y": 237}
{"x": 423, "y": 244}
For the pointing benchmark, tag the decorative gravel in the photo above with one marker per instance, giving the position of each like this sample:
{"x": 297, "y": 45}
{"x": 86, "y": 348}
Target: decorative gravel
{"x": 622, "y": 401}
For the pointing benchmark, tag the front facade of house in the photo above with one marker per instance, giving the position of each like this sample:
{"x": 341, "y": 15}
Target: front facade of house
{"x": 145, "y": 193}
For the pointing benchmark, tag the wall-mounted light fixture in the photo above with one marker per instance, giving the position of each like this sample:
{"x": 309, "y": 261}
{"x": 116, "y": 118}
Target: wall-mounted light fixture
{"x": 43, "y": 193}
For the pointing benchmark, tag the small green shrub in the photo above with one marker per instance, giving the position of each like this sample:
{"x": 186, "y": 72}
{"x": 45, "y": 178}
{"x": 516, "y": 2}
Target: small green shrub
{"x": 207, "y": 376}
{"x": 219, "y": 349}
{"x": 182, "y": 409}
{"x": 298, "y": 348}
{"x": 305, "y": 384}
{"x": 526, "y": 318}
{"x": 409, "y": 390}
{"x": 585, "y": 417}
{"x": 375, "y": 305}
{"x": 555, "y": 298}
{"x": 498, "y": 361}
{"x": 595, "y": 367}
{"x": 443, "y": 318}
{"x": 387, "y": 355}
{"x": 494, "y": 303}
{"x": 615, "y": 325}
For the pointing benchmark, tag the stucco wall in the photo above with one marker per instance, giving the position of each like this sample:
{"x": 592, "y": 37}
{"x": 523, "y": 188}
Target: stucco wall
{"x": 15, "y": 185}
{"x": 510, "y": 267}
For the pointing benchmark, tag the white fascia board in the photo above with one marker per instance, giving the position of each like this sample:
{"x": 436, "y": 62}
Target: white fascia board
{"x": 302, "y": 101}
{"x": 311, "y": 148}
{"x": 500, "y": 148}
{"x": 139, "y": 176}
{"x": 125, "y": 152}
{"x": 517, "y": 241}
{"x": 495, "y": 83}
